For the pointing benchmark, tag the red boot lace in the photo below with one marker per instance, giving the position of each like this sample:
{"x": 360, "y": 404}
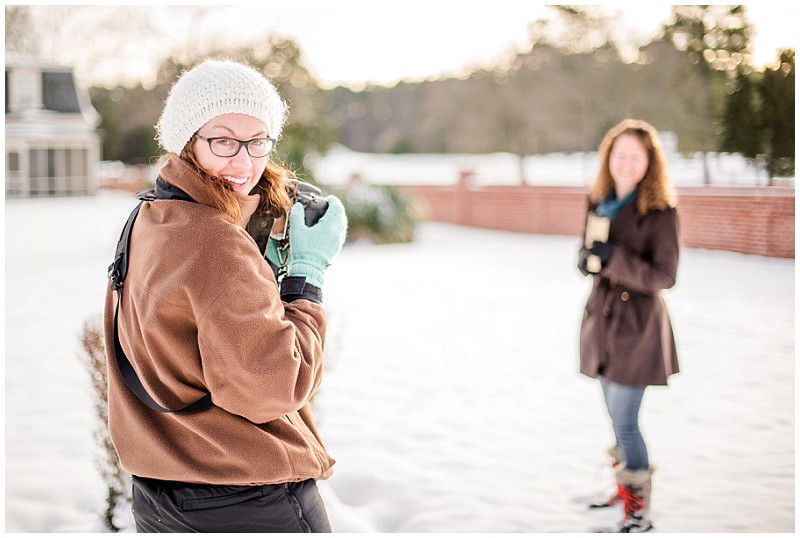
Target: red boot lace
{"x": 632, "y": 503}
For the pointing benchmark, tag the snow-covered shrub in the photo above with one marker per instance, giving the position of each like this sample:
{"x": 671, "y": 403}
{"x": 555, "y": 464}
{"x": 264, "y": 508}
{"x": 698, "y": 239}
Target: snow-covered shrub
{"x": 379, "y": 214}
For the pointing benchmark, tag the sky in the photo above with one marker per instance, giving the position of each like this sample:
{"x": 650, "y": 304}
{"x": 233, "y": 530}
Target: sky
{"x": 354, "y": 42}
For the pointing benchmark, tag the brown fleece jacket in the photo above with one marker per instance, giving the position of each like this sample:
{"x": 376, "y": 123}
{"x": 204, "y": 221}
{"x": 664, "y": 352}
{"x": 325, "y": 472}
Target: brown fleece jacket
{"x": 201, "y": 312}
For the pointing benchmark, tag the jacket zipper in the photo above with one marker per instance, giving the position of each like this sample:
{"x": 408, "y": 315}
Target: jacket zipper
{"x": 298, "y": 510}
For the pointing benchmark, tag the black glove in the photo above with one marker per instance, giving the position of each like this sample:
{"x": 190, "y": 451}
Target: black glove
{"x": 583, "y": 255}
{"x": 602, "y": 251}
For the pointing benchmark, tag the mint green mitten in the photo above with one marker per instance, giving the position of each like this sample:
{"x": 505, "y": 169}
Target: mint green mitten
{"x": 311, "y": 248}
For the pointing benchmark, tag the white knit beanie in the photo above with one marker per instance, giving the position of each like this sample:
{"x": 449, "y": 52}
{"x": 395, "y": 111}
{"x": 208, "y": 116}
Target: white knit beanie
{"x": 214, "y": 88}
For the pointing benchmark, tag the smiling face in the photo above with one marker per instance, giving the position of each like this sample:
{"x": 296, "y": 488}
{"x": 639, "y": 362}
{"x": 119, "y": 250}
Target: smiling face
{"x": 241, "y": 171}
{"x": 627, "y": 163}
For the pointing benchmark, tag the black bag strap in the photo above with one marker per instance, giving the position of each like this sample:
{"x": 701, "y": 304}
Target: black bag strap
{"x": 117, "y": 272}
{"x": 135, "y": 384}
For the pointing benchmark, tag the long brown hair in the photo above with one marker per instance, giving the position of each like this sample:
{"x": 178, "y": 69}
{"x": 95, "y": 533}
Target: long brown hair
{"x": 271, "y": 186}
{"x": 655, "y": 190}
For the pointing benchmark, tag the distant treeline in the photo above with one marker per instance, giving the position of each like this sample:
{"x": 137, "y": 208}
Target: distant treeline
{"x": 549, "y": 101}
{"x": 550, "y": 98}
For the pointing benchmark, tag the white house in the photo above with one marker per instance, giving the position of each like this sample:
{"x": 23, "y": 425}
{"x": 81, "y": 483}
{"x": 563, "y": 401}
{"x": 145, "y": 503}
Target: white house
{"x": 52, "y": 143}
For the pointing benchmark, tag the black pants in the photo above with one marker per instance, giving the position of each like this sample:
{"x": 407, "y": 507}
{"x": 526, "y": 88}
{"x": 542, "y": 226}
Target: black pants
{"x": 163, "y": 506}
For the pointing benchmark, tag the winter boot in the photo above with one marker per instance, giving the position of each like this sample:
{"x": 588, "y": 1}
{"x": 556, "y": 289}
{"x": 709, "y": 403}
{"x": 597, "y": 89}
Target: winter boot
{"x": 634, "y": 488}
{"x": 615, "y": 497}
{"x": 616, "y": 455}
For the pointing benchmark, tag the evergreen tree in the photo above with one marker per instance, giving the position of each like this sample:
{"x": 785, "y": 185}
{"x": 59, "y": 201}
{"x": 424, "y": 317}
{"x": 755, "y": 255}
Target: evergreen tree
{"x": 777, "y": 110}
{"x": 127, "y": 121}
{"x": 741, "y": 123}
{"x": 716, "y": 39}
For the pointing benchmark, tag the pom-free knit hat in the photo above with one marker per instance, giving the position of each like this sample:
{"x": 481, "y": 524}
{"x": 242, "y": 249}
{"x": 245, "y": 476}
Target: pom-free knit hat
{"x": 214, "y": 88}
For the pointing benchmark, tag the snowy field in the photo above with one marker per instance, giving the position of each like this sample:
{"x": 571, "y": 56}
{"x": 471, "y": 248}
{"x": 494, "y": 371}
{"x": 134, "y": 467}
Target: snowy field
{"x": 340, "y": 163}
{"x": 452, "y": 401}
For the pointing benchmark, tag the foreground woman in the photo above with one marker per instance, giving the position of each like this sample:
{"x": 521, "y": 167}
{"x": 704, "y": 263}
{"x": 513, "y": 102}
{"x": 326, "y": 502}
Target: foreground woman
{"x": 212, "y": 363}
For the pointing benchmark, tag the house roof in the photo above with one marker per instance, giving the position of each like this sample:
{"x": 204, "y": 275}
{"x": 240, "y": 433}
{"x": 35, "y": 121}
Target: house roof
{"x": 18, "y": 59}
{"x": 59, "y": 91}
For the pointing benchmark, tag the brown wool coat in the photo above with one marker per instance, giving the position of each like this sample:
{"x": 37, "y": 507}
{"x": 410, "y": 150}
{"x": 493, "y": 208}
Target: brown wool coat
{"x": 626, "y": 334}
{"x": 201, "y": 312}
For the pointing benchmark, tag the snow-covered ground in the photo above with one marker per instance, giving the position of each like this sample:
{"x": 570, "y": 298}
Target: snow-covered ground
{"x": 452, "y": 401}
{"x": 340, "y": 164}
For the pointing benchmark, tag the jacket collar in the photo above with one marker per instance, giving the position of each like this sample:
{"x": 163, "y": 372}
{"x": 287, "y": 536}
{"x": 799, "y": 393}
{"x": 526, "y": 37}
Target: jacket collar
{"x": 179, "y": 173}
{"x": 168, "y": 191}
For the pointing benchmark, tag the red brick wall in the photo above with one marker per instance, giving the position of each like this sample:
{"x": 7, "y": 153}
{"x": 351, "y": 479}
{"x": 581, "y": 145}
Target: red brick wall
{"x": 751, "y": 220}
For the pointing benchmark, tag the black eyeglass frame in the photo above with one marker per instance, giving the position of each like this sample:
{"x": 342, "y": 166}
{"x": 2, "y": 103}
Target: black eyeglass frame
{"x": 245, "y": 143}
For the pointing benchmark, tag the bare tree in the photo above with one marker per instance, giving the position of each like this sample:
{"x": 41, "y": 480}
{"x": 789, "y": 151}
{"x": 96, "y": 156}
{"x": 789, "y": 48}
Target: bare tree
{"x": 101, "y": 43}
{"x": 19, "y": 31}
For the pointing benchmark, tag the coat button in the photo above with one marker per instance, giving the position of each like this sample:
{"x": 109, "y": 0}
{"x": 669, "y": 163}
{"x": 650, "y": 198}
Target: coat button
{"x": 625, "y": 296}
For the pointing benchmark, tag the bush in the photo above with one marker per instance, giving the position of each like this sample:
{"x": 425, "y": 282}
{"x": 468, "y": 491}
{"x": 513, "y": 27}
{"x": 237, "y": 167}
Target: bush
{"x": 118, "y": 482}
{"x": 379, "y": 214}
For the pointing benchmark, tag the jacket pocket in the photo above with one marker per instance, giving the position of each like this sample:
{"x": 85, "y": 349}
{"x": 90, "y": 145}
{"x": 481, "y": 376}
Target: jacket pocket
{"x": 628, "y": 309}
{"x": 302, "y": 430}
{"x": 220, "y": 497}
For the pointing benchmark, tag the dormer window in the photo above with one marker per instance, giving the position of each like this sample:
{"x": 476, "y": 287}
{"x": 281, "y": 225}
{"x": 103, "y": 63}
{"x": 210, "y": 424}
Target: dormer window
{"x": 59, "y": 92}
{"x": 24, "y": 90}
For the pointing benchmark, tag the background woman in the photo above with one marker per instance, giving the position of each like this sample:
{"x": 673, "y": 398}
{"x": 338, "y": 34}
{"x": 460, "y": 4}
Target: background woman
{"x": 201, "y": 315}
{"x": 626, "y": 337}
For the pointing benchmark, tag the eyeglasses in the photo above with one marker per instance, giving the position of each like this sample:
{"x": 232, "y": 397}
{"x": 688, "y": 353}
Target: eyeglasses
{"x": 224, "y": 146}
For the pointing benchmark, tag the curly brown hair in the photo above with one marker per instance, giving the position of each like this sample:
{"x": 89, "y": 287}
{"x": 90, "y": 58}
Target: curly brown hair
{"x": 655, "y": 190}
{"x": 271, "y": 186}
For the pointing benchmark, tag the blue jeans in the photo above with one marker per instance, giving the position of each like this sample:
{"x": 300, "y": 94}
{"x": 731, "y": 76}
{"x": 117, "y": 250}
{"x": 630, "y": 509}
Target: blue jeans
{"x": 623, "y": 403}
